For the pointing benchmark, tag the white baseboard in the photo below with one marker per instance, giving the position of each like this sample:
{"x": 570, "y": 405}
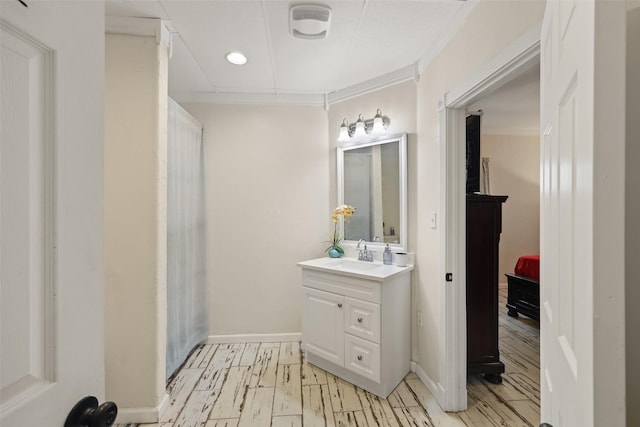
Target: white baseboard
{"x": 162, "y": 407}
{"x": 142, "y": 415}
{"x": 219, "y": 339}
{"x": 434, "y": 388}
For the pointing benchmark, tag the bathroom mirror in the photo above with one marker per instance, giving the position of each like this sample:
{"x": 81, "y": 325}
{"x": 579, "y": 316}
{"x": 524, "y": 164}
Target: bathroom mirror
{"x": 372, "y": 177}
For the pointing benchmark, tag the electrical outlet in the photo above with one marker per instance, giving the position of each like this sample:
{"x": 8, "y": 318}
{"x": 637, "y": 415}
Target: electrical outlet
{"x": 420, "y": 318}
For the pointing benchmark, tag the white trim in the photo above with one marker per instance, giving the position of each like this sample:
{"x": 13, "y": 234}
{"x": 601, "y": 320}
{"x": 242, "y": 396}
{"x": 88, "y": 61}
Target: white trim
{"x": 398, "y": 76}
{"x": 159, "y": 28}
{"x": 142, "y": 415}
{"x": 434, "y": 388}
{"x": 238, "y": 338}
{"x": 512, "y": 61}
{"x": 515, "y": 59}
{"x": 249, "y": 98}
{"x": 270, "y": 97}
{"x": 164, "y": 405}
{"x": 452, "y": 356}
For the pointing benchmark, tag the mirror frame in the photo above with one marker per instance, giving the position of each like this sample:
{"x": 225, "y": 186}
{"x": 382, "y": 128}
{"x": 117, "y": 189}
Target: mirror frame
{"x": 401, "y": 139}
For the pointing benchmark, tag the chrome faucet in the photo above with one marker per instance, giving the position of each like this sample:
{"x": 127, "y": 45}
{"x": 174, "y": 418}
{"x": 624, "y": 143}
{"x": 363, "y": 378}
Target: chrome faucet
{"x": 364, "y": 255}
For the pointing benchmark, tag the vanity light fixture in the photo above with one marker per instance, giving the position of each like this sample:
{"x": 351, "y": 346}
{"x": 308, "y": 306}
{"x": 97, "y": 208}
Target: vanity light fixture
{"x": 362, "y": 127}
{"x": 360, "y": 130}
{"x": 237, "y": 58}
{"x": 378, "y": 123}
{"x": 344, "y": 132}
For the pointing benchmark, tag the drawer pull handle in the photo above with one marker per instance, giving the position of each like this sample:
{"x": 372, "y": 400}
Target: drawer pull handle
{"x": 359, "y": 357}
{"x": 339, "y": 305}
{"x": 359, "y": 319}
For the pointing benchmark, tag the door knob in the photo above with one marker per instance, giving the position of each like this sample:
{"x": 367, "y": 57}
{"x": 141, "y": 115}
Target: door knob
{"x": 87, "y": 413}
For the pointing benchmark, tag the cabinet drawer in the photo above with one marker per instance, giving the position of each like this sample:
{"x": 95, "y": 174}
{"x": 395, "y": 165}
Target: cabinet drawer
{"x": 354, "y": 287}
{"x": 362, "y": 357}
{"x": 362, "y": 319}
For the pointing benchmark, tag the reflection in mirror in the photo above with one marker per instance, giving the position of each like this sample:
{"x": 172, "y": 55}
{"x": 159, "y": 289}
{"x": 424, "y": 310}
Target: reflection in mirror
{"x": 374, "y": 181}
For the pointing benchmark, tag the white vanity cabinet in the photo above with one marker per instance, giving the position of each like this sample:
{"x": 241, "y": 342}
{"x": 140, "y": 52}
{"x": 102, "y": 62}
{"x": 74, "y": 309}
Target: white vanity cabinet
{"x": 356, "y": 324}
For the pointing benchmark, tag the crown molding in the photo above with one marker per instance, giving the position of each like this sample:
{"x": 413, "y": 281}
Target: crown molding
{"x": 152, "y": 27}
{"x": 249, "y": 98}
{"x": 399, "y": 76}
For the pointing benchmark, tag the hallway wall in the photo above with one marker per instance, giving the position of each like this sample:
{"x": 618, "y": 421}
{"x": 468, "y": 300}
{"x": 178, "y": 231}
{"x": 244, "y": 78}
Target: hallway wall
{"x": 491, "y": 27}
{"x": 135, "y": 224}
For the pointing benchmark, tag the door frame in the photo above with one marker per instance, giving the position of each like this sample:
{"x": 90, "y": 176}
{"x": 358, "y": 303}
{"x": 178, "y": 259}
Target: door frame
{"x": 511, "y": 62}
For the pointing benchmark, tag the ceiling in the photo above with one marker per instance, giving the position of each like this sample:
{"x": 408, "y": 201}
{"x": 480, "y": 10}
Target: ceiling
{"x": 370, "y": 44}
{"x": 514, "y": 108}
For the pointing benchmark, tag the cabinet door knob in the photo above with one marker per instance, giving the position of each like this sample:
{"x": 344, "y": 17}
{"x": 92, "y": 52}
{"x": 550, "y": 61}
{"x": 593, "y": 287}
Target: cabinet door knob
{"x": 359, "y": 319}
{"x": 359, "y": 357}
{"x": 339, "y": 305}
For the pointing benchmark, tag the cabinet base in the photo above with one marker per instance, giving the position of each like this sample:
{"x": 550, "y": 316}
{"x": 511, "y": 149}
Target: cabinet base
{"x": 382, "y": 389}
{"x": 491, "y": 370}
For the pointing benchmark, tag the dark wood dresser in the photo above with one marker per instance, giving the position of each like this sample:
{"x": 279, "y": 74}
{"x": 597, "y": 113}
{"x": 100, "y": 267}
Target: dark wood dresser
{"x": 484, "y": 225}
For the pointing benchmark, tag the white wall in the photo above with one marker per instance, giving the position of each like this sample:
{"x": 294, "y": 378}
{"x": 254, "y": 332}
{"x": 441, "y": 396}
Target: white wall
{"x": 490, "y": 28}
{"x": 515, "y": 172}
{"x": 135, "y": 222}
{"x": 268, "y": 185}
{"x": 632, "y": 226}
{"x": 397, "y": 102}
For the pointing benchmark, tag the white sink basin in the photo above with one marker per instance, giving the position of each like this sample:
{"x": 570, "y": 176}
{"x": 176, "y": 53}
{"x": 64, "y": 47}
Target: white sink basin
{"x": 352, "y": 267}
{"x": 346, "y": 264}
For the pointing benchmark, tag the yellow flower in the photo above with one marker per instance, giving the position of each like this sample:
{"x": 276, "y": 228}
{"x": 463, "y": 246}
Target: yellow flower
{"x": 345, "y": 211}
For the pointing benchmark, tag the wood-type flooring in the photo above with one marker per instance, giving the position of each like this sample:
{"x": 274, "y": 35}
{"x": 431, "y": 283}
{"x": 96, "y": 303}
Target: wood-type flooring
{"x": 268, "y": 384}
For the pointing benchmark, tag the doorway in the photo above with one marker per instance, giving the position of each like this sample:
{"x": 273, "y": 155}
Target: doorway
{"x": 509, "y": 151}
{"x": 518, "y": 58}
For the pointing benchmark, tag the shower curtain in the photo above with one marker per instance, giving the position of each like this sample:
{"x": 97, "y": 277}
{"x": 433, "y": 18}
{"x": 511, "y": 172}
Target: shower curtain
{"x": 187, "y": 312}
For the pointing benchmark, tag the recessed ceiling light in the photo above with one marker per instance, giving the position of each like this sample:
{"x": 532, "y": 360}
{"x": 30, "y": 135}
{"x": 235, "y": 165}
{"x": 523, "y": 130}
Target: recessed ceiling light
{"x": 236, "y": 58}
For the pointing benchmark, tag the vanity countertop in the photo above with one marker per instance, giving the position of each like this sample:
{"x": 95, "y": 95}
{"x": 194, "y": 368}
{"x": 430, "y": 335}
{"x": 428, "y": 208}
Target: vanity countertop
{"x": 352, "y": 267}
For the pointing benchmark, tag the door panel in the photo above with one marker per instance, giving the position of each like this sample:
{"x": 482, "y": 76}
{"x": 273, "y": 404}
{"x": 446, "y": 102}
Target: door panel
{"x": 26, "y": 217}
{"x": 323, "y": 324}
{"x": 582, "y": 165}
{"x": 566, "y": 227}
{"x": 51, "y": 155}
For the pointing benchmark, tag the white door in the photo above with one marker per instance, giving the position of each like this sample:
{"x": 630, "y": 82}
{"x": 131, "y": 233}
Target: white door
{"x": 323, "y": 324}
{"x": 51, "y": 227}
{"x": 582, "y": 207}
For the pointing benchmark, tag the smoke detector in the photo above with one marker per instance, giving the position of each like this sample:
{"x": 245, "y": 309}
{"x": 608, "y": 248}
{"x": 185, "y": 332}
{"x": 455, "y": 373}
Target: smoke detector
{"x": 309, "y": 21}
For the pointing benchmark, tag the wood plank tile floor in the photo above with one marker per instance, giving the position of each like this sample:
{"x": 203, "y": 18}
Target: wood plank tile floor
{"x": 268, "y": 384}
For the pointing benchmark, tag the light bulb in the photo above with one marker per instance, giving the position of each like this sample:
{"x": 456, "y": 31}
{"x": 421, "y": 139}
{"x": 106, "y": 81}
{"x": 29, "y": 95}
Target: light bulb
{"x": 344, "y": 132}
{"x": 360, "y": 129}
{"x": 378, "y": 124}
